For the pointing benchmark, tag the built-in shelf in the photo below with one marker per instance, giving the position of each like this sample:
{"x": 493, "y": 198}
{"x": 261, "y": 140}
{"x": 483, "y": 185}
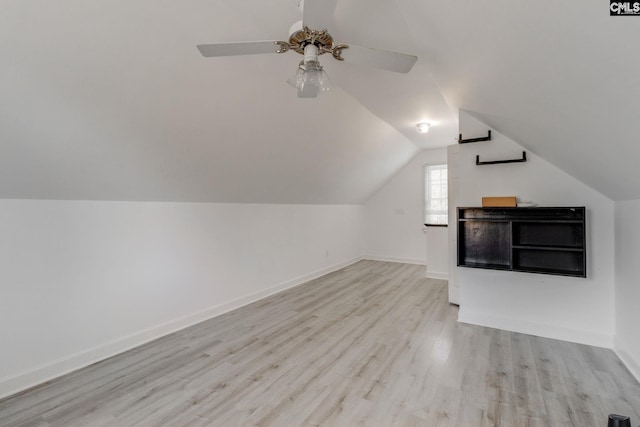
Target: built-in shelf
{"x": 548, "y": 248}
{"x": 499, "y": 162}
{"x": 534, "y": 240}
{"x": 481, "y": 139}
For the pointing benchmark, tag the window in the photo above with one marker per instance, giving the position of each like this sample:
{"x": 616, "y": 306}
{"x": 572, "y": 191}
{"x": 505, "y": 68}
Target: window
{"x": 435, "y": 195}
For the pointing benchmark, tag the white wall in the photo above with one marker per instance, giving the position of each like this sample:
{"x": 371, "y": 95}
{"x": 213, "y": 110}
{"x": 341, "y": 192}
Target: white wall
{"x": 82, "y": 280}
{"x": 395, "y": 219}
{"x": 627, "y": 340}
{"x": 453, "y": 284}
{"x": 572, "y": 309}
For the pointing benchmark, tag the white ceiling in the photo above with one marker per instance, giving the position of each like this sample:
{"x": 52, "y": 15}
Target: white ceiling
{"x": 558, "y": 77}
{"x": 111, "y": 100}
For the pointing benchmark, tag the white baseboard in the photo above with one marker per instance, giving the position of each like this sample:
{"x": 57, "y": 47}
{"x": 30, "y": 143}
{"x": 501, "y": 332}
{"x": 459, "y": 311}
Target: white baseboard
{"x": 428, "y": 274}
{"x": 632, "y": 365}
{"x": 394, "y": 259}
{"x": 24, "y": 380}
{"x": 436, "y": 275}
{"x": 538, "y": 329}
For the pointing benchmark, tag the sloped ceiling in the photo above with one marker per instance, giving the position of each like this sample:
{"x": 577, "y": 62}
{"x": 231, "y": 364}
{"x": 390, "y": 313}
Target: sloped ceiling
{"x": 110, "y": 100}
{"x": 559, "y": 77}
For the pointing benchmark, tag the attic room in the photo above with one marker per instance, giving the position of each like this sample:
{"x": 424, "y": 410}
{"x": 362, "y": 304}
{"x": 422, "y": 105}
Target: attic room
{"x": 188, "y": 241}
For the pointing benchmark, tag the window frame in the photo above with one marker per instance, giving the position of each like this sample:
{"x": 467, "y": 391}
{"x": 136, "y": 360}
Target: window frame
{"x": 426, "y": 176}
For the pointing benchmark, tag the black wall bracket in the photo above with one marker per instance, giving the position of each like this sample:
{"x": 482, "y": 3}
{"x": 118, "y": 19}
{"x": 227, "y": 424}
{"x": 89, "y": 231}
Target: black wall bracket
{"x": 466, "y": 141}
{"x": 496, "y": 162}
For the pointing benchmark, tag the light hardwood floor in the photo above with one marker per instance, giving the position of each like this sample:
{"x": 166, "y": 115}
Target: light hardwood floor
{"x": 374, "y": 344}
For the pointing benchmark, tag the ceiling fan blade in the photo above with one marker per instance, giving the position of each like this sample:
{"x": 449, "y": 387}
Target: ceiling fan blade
{"x": 392, "y": 61}
{"x": 318, "y": 14}
{"x": 238, "y": 48}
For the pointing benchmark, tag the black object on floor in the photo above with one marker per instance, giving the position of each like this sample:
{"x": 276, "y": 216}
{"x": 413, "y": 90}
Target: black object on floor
{"x": 619, "y": 421}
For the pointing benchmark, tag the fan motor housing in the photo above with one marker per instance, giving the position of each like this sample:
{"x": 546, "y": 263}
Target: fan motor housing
{"x": 299, "y": 39}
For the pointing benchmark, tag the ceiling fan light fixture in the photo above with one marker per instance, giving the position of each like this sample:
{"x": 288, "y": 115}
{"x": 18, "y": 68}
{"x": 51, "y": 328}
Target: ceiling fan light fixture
{"x": 423, "y": 127}
{"x": 310, "y": 78}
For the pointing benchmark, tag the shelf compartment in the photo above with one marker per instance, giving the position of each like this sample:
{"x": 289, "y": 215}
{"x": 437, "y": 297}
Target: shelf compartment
{"x": 569, "y": 263}
{"x": 559, "y": 272}
{"x": 484, "y": 243}
{"x": 559, "y": 234}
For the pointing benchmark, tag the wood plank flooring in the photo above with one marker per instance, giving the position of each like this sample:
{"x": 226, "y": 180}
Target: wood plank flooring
{"x": 374, "y": 344}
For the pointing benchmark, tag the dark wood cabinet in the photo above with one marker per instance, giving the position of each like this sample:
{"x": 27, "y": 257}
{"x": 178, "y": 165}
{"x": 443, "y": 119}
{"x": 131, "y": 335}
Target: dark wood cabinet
{"x": 535, "y": 240}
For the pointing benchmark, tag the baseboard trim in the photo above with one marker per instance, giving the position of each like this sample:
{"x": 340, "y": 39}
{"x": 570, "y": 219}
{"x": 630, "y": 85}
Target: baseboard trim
{"x": 394, "y": 259}
{"x": 538, "y": 329}
{"x": 31, "y": 378}
{"x": 632, "y": 365}
{"x": 436, "y": 275}
{"x": 428, "y": 274}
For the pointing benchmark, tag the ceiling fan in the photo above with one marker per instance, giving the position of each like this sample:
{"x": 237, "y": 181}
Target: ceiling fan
{"x": 310, "y": 38}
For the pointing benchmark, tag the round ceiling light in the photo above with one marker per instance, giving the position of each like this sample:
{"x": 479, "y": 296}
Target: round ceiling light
{"x": 423, "y": 127}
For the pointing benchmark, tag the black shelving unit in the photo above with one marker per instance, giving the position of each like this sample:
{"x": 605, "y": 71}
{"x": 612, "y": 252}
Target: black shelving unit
{"x": 534, "y": 240}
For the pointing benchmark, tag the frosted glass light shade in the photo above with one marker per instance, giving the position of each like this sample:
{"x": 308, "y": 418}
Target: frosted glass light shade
{"x": 310, "y": 78}
{"x": 423, "y": 127}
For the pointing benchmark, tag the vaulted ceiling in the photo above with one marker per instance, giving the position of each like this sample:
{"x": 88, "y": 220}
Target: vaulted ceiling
{"x": 110, "y": 100}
